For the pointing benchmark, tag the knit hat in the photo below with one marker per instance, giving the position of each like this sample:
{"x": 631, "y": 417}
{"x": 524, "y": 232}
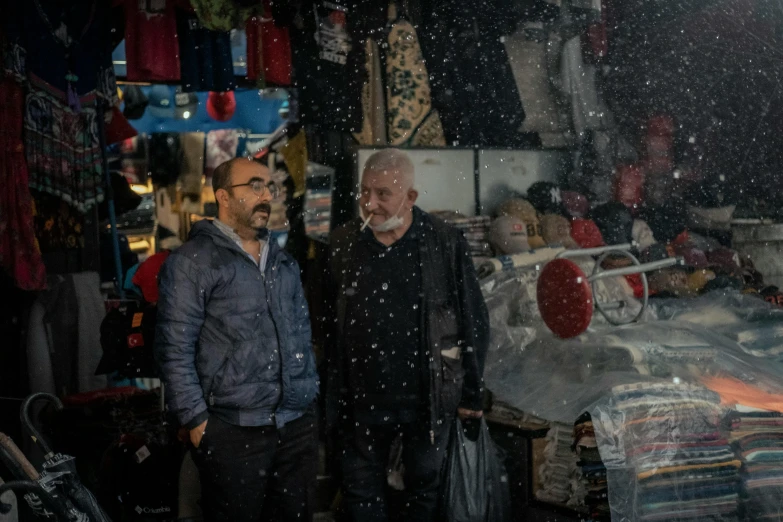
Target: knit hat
{"x": 524, "y": 211}
{"x": 667, "y": 221}
{"x": 724, "y": 258}
{"x": 546, "y": 197}
{"x": 642, "y": 234}
{"x": 556, "y": 230}
{"x": 615, "y": 222}
{"x": 586, "y": 234}
{"x": 508, "y": 235}
{"x": 699, "y": 279}
{"x": 135, "y": 102}
{"x": 669, "y": 281}
{"x": 575, "y": 204}
{"x": 221, "y": 106}
{"x": 693, "y": 257}
{"x": 655, "y": 252}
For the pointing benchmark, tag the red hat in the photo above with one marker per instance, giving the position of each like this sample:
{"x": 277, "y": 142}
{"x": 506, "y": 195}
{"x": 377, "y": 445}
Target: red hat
{"x": 119, "y": 128}
{"x": 221, "y": 106}
{"x": 693, "y": 256}
{"x": 586, "y": 233}
{"x": 575, "y": 204}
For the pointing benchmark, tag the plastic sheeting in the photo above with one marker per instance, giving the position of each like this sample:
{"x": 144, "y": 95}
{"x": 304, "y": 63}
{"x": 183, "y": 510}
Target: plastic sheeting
{"x": 523, "y": 350}
{"x": 753, "y": 323}
{"x": 685, "y": 418}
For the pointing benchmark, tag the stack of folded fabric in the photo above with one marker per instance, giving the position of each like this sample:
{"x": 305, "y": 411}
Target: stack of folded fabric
{"x": 318, "y": 201}
{"x": 318, "y": 212}
{"x": 558, "y": 472}
{"x": 757, "y": 437}
{"x": 593, "y": 485}
{"x": 476, "y": 231}
{"x": 685, "y": 468}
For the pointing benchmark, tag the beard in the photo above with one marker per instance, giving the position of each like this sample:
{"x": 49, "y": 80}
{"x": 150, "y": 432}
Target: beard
{"x": 251, "y": 218}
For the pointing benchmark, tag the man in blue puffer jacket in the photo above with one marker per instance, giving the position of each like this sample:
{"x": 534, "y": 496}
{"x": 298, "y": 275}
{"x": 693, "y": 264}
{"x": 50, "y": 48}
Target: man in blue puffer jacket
{"x": 234, "y": 347}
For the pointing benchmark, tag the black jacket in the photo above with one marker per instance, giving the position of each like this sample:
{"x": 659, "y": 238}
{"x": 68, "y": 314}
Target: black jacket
{"x": 454, "y": 314}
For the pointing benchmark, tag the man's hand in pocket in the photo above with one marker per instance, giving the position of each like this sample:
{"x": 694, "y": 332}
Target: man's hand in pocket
{"x": 197, "y": 433}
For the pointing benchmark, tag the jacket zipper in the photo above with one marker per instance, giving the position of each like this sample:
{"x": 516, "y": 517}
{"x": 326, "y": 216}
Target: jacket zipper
{"x": 211, "y": 398}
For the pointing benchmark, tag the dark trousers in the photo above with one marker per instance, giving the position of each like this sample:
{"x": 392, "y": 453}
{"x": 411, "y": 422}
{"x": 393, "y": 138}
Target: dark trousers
{"x": 364, "y": 464}
{"x": 250, "y": 474}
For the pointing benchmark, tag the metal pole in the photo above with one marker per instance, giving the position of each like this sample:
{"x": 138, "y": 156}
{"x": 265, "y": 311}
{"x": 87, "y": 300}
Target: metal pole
{"x": 115, "y": 239}
{"x": 594, "y": 251}
{"x": 635, "y": 269}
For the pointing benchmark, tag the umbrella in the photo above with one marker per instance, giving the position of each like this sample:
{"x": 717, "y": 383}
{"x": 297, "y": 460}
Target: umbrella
{"x": 59, "y": 476}
{"x": 41, "y": 502}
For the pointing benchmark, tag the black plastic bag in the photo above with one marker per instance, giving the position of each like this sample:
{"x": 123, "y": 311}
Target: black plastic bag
{"x": 476, "y": 483}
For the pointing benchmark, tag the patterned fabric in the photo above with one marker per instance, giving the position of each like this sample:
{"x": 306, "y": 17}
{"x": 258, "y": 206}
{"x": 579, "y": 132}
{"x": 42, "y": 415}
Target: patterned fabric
{"x": 221, "y": 147}
{"x": 224, "y": 15}
{"x": 20, "y": 255}
{"x": 295, "y": 157}
{"x": 65, "y": 72}
{"x": 58, "y": 226}
{"x": 63, "y": 147}
{"x": 373, "y": 105}
{"x": 411, "y": 118}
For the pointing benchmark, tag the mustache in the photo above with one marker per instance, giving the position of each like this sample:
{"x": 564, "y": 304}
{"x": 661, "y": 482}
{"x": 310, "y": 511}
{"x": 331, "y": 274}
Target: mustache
{"x": 263, "y": 207}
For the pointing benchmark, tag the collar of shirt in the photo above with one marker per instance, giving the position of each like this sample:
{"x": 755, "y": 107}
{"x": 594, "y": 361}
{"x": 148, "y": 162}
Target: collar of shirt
{"x": 411, "y": 234}
{"x": 233, "y": 236}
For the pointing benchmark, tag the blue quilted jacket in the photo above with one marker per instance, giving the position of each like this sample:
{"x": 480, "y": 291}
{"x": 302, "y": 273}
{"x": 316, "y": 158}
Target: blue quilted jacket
{"x": 231, "y": 341}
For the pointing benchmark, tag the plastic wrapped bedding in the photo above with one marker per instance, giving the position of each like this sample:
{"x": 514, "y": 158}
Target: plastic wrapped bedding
{"x": 686, "y": 421}
{"x": 753, "y": 323}
{"x": 559, "y": 476}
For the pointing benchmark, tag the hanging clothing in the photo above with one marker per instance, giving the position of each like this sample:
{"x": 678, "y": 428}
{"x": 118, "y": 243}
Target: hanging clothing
{"x": 191, "y": 171}
{"x": 205, "y": 57}
{"x": 165, "y": 158}
{"x": 20, "y": 254}
{"x": 151, "y": 49}
{"x": 295, "y": 157}
{"x": 225, "y": 15}
{"x": 411, "y": 119}
{"x": 578, "y": 83}
{"x": 373, "y": 103}
{"x": 545, "y": 113}
{"x": 472, "y": 82}
{"x": 328, "y": 63}
{"x": 64, "y": 339}
{"x": 268, "y": 50}
{"x": 61, "y": 53}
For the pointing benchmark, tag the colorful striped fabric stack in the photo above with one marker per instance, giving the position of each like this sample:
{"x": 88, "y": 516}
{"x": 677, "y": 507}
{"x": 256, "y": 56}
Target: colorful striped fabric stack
{"x": 679, "y": 464}
{"x": 757, "y": 437}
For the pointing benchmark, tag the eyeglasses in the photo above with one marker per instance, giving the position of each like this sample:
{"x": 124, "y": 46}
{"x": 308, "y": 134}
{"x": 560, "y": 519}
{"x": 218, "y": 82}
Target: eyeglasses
{"x": 259, "y": 188}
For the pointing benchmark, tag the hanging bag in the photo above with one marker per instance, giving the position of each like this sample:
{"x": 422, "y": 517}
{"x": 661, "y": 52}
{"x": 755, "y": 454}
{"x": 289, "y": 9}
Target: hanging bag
{"x": 475, "y": 487}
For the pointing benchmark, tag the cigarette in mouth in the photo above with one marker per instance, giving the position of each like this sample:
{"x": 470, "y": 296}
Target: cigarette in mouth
{"x": 366, "y": 222}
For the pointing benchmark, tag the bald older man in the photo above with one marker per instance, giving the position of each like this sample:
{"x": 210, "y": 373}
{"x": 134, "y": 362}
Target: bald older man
{"x": 233, "y": 344}
{"x": 413, "y": 332}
